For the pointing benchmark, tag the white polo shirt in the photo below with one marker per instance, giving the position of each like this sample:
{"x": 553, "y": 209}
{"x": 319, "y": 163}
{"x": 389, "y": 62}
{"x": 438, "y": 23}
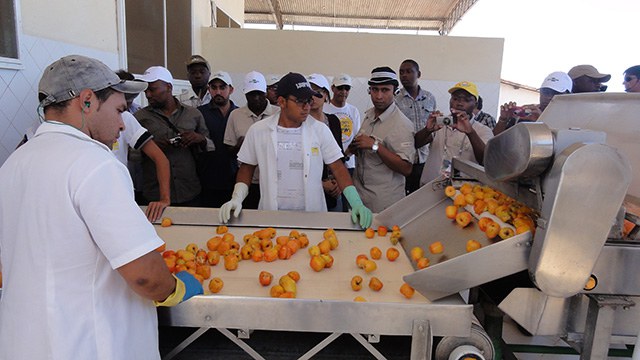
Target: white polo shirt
{"x": 68, "y": 221}
{"x": 318, "y": 147}
{"x": 134, "y": 136}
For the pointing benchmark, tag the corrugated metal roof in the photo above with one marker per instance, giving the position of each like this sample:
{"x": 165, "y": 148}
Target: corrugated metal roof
{"x": 434, "y": 15}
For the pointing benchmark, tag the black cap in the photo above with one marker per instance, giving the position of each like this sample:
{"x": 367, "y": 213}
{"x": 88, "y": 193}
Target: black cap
{"x": 297, "y": 85}
{"x": 383, "y": 75}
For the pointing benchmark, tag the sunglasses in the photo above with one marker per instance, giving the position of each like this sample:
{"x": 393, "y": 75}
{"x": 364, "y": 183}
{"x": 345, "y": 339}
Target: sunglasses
{"x": 344, "y": 87}
{"x": 629, "y": 78}
{"x": 301, "y": 102}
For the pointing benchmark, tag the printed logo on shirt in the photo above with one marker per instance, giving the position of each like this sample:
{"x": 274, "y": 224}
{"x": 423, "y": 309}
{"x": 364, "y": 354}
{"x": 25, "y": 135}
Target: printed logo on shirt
{"x": 315, "y": 151}
{"x": 346, "y": 125}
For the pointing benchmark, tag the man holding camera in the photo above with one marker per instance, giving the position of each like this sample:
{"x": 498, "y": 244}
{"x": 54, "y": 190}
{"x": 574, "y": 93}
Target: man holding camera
{"x": 180, "y": 131}
{"x": 384, "y": 145}
{"x": 455, "y": 135}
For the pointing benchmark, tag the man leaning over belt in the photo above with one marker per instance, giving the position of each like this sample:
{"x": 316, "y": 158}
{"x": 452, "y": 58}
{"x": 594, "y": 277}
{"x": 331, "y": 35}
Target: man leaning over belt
{"x": 80, "y": 271}
{"x": 290, "y": 148}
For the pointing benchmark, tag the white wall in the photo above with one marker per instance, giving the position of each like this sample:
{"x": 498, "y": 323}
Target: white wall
{"x": 443, "y": 60}
{"x": 87, "y": 23}
{"x": 521, "y": 96}
{"x": 50, "y": 30}
{"x": 233, "y": 8}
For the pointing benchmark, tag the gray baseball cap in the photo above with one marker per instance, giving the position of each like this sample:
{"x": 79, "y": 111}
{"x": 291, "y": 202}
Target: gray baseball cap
{"x": 65, "y": 78}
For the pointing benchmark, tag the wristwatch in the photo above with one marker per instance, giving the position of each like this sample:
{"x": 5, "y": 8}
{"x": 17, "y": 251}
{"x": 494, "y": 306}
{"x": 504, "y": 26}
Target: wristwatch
{"x": 375, "y": 146}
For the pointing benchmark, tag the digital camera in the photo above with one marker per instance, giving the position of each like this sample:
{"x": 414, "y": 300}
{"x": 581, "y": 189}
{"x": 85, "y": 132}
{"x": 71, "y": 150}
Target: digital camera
{"x": 445, "y": 120}
{"x": 521, "y": 112}
{"x": 175, "y": 140}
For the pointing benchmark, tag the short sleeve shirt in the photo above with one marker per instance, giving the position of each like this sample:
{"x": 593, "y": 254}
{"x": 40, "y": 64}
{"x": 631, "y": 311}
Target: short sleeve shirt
{"x": 448, "y": 143}
{"x": 378, "y": 185}
{"x": 417, "y": 111}
{"x": 185, "y": 185}
{"x": 73, "y": 202}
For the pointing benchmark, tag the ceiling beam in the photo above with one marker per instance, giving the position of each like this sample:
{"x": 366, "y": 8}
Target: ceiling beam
{"x": 347, "y": 17}
{"x": 274, "y": 6}
{"x": 455, "y": 15}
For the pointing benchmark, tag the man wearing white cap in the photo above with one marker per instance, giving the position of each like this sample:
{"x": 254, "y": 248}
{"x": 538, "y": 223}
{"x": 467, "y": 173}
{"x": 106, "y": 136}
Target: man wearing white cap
{"x": 257, "y": 108}
{"x": 272, "y": 89}
{"x": 586, "y": 78}
{"x": 332, "y": 191}
{"x": 219, "y": 171}
{"x": 348, "y": 114}
{"x": 81, "y": 273}
{"x": 384, "y": 146}
{"x": 556, "y": 83}
{"x": 291, "y": 149}
{"x": 180, "y": 131}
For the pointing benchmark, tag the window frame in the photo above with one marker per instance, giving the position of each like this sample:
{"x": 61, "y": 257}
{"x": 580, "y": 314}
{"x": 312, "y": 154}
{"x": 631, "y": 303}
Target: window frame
{"x": 9, "y": 62}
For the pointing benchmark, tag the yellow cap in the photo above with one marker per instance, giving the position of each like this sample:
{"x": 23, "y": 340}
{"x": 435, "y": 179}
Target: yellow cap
{"x": 467, "y": 86}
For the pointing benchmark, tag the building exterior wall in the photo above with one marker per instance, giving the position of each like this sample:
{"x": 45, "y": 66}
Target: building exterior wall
{"x": 443, "y": 60}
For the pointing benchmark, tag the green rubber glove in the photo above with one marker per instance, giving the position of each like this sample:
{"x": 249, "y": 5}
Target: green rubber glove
{"x": 358, "y": 210}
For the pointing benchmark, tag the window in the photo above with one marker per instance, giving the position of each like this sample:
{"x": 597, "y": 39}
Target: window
{"x": 158, "y": 33}
{"x": 9, "y": 45}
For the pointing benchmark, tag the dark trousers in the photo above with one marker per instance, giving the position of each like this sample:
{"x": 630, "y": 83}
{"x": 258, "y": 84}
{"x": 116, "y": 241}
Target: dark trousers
{"x": 412, "y": 182}
{"x": 215, "y": 198}
{"x": 253, "y": 199}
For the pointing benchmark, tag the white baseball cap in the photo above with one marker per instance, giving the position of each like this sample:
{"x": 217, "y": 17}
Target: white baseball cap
{"x": 156, "y": 73}
{"x": 342, "y": 79}
{"x": 272, "y": 79}
{"x": 221, "y": 75}
{"x": 254, "y": 81}
{"x": 319, "y": 80}
{"x": 558, "y": 81}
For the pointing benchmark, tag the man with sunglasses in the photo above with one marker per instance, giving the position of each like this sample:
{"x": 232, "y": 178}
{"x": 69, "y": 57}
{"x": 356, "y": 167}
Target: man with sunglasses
{"x": 632, "y": 79}
{"x": 348, "y": 114}
{"x": 586, "y": 78}
{"x": 384, "y": 146}
{"x": 290, "y": 148}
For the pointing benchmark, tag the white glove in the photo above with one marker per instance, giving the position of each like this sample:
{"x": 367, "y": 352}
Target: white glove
{"x": 240, "y": 192}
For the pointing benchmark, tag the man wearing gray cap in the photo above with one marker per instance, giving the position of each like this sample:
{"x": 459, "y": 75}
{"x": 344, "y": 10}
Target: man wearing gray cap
{"x": 586, "y": 78}
{"x": 384, "y": 146}
{"x": 77, "y": 253}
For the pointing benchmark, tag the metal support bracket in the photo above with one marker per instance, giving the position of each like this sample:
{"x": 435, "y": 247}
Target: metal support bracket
{"x": 599, "y": 322}
{"x": 421, "y": 340}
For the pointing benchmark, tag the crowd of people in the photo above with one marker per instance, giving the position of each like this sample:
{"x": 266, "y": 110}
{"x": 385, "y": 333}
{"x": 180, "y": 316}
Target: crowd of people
{"x": 192, "y": 151}
{"x": 296, "y": 145}
{"x": 397, "y": 146}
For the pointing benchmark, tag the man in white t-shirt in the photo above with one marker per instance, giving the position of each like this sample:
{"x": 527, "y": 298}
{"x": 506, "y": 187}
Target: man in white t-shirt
{"x": 291, "y": 148}
{"x": 348, "y": 114}
{"x": 80, "y": 269}
{"x": 464, "y": 138}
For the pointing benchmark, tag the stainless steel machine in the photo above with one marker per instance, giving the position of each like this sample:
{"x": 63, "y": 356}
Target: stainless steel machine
{"x": 325, "y": 301}
{"x": 577, "y": 167}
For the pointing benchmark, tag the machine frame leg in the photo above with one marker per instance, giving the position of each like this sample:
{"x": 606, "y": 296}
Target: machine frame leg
{"x": 599, "y": 323}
